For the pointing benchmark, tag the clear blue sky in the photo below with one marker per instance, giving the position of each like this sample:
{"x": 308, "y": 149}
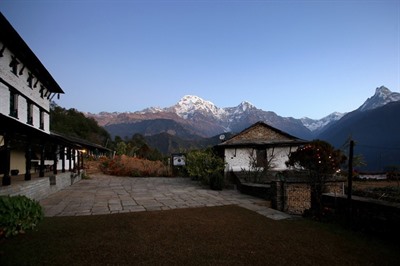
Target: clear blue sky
{"x": 296, "y": 58}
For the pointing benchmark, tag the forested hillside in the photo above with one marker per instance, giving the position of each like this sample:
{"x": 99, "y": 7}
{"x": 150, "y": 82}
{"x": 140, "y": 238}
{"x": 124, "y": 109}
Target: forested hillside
{"x": 73, "y": 123}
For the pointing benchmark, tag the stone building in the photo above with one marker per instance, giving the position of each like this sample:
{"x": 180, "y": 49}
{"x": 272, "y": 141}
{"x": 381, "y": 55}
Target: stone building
{"x": 260, "y": 145}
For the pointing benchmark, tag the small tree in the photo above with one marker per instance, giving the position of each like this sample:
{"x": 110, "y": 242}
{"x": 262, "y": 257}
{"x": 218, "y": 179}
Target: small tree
{"x": 206, "y": 166}
{"x": 258, "y": 167}
{"x": 121, "y": 148}
{"x": 321, "y": 160}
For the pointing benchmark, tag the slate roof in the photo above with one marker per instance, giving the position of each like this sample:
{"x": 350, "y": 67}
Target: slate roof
{"x": 78, "y": 142}
{"x": 262, "y": 134}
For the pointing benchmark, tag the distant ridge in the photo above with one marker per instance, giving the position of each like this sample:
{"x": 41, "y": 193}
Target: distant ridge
{"x": 194, "y": 122}
{"x": 376, "y": 133}
{"x": 201, "y": 116}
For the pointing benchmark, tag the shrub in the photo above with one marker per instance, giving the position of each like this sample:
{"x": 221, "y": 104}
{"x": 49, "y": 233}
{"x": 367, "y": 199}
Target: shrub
{"x": 18, "y": 214}
{"x": 133, "y": 167}
{"x": 207, "y": 167}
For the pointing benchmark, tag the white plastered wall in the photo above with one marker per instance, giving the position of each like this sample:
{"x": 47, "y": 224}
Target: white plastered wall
{"x": 239, "y": 158}
{"x": 17, "y": 161}
{"x": 20, "y": 84}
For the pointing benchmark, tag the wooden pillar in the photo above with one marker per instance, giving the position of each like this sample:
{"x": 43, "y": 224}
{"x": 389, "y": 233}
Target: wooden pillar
{"x": 69, "y": 152}
{"x": 350, "y": 184}
{"x": 62, "y": 155}
{"x": 82, "y": 166}
{"x": 350, "y": 172}
{"x": 79, "y": 161}
{"x": 28, "y": 161}
{"x": 55, "y": 151}
{"x": 6, "y": 181}
{"x": 41, "y": 165}
{"x": 73, "y": 160}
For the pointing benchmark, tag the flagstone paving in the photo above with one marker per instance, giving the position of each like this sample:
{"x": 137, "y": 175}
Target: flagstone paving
{"x": 103, "y": 194}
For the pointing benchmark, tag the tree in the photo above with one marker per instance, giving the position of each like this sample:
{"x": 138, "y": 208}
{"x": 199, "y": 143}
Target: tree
{"x": 206, "y": 166}
{"x": 73, "y": 123}
{"x": 321, "y": 160}
{"x": 121, "y": 148}
{"x": 136, "y": 147}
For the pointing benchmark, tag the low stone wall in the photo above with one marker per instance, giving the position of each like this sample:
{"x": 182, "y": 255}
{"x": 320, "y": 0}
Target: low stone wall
{"x": 335, "y": 188}
{"x": 367, "y": 214}
{"x": 35, "y": 189}
{"x": 40, "y": 188}
{"x": 263, "y": 191}
{"x": 296, "y": 195}
{"x": 292, "y": 195}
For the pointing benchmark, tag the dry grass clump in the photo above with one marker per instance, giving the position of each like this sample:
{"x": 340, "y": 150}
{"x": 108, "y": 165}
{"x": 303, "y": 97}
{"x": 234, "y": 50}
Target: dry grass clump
{"x": 134, "y": 167}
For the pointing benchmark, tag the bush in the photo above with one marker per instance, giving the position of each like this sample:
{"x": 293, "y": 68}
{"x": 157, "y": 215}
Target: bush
{"x": 18, "y": 214}
{"x": 133, "y": 167}
{"x": 207, "y": 167}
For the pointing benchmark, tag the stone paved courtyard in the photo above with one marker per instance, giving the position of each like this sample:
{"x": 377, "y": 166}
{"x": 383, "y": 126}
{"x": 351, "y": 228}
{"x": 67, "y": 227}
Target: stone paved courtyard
{"x": 104, "y": 194}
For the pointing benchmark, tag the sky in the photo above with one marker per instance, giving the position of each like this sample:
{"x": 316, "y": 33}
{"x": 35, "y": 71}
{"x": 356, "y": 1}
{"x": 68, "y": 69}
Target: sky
{"x": 295, "y": 58}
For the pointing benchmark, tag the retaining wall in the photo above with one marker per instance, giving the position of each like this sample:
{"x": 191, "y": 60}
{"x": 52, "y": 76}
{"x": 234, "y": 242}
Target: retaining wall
{"x": 365, "y": 214}
{"x": 292, "y": 195}
{"x": 40, "y": 188}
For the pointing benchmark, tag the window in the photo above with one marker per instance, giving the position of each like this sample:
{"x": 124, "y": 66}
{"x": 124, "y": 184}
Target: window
{"x": 13, "y": 104}
{"x": 41, "y": 119}
{"x": 30, "y": 113}
{"x": 14, "y": 65}
{"x": 261, "y": 158}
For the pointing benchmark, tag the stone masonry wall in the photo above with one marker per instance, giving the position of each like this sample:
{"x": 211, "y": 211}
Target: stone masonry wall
{"x": 40, "y": 188}
{"x": 295, "y": 197}
{"x": 36, "y": 188}
{"x": 336, "y": 188}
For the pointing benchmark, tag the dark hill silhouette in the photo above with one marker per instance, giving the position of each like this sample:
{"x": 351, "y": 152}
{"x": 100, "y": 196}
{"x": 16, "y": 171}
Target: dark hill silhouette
{"x": 376, "y": 133}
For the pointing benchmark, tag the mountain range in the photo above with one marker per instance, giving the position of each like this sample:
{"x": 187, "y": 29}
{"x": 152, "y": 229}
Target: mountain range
{"x": 193, "y": 119}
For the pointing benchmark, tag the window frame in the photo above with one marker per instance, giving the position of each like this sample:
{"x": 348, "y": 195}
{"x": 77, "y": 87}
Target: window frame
{"x": 261, "y": 157}
{"x": 29, "y": 117}
{"x": 14, "y": 104}
{"x": 41, "y": 119}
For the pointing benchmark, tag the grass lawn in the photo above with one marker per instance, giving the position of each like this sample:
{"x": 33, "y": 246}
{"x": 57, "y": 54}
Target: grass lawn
{"x": 227, "y": 235}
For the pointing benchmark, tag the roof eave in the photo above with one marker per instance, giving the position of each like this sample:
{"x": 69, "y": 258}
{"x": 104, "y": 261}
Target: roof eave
{"x": 10, "y": 37}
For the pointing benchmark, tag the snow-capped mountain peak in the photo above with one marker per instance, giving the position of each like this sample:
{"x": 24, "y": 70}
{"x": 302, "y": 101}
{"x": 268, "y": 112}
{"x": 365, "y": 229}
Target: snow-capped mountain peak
{"x": 151, "y": 110}
{"x": 205, "y": 114}
{"x": 381, "y": 97}
{"x": 244, "y": 106}
{"x": 314, "y": 125}
{"x": 190, "y": 104}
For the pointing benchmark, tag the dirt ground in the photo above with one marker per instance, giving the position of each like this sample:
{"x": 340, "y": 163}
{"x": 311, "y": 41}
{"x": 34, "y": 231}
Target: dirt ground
{"x": 227, "y": 235}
